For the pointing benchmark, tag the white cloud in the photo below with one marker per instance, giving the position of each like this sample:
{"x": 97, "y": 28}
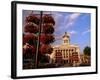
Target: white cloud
{"x": 71, "y": 19}
{"x": 85, "y": 32}
{"x": 74, "y": 16}
{"x": 56, "y": 16}
{"x": 58, "y": 37}
{"x": 64, "y": 21}
{"x": 72, "y": 32}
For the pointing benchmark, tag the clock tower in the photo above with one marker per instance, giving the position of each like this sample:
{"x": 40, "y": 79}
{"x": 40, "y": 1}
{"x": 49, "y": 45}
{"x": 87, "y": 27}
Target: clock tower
{"x": 66, "y": 39}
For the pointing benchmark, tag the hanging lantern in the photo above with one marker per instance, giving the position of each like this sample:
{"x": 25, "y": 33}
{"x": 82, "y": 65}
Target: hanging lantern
{"x": 31, "y": 27}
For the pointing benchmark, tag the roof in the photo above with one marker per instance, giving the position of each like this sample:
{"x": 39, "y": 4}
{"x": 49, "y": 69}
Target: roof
{"x": 66, "y": 46}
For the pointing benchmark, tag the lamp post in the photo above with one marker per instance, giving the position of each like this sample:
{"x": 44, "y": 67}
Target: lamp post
{"x": 40, "y": 27}
{"x": 38, "y": 41}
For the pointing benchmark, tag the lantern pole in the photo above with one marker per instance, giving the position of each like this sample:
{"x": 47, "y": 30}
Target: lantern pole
{"x": 38, "y": 41}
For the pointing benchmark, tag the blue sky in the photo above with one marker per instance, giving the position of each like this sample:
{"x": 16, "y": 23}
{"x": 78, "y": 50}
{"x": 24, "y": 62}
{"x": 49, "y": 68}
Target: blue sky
{"x": 76, "y": 24}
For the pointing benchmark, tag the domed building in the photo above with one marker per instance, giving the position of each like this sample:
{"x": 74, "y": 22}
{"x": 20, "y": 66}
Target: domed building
{"x": 66, "y": 53}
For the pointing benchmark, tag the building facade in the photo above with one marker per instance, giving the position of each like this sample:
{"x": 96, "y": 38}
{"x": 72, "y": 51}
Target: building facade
{"x": 66, "y": 53}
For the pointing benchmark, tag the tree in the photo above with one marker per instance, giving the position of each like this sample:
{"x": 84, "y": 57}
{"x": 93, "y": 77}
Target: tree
{"x": 87, "y": 51}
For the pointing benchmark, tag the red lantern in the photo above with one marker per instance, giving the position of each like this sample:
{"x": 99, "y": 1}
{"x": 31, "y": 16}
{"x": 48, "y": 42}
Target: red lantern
{"x": 31, "y": 27}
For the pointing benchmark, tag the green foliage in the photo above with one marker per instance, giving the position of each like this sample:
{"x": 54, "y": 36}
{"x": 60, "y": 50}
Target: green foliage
{"x": 87, "y": 51}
